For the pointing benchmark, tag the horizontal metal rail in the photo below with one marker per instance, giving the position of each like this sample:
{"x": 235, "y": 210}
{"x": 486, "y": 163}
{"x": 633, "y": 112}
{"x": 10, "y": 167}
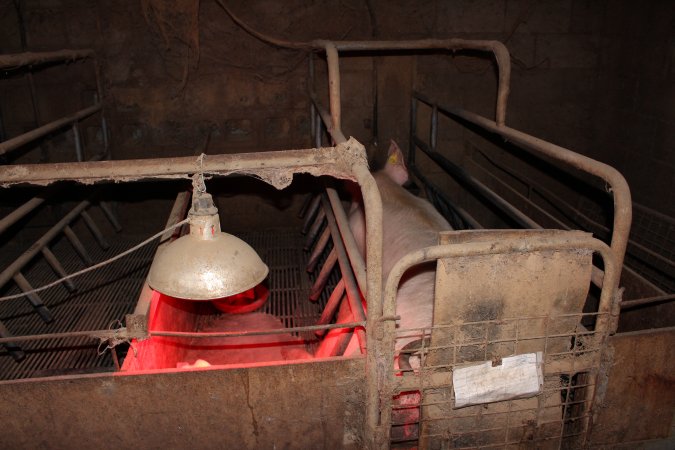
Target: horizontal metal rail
{"x": 653, "y": 259}
{"x": 17, "y": 60}
{"x": 22, "y": 139}
{"x": 20, "y": 212}
{"x": 474, "y": 184}
{"x": 121, "y": 334}
{"x": 269, "y": 166}
{"x": 616, "y": 182}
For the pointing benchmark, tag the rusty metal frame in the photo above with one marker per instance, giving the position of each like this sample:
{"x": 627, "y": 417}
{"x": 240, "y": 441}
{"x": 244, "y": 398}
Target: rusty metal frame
{"x": 347, "y": 161}
{"x": 608, "y": 310}
{"x": 35, "y": 59}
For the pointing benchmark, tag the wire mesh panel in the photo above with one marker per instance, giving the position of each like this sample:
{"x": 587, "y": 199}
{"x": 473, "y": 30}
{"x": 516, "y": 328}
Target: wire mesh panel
{"x": 492, "y": 314}
{"x": 103, "y": 297}
{"x": 425, "y": 406}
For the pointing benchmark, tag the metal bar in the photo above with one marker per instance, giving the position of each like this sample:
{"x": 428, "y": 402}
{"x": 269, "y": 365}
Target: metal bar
{"x": 110, "y": 215}
{"x": 311, "y": 211}
{"x": 95, "y": 230}
{"x": 433, "y": 132}
{"x": 17, "y": 353}
{"x": 315, "y": 228}
{"x": 20, "y": 212}
{"x": 501, "y": 54}
{"x": 616, "y": 182}
{"x": 332, "y": 305}
{"x": 647, "y": 301}
{"x": 16, "y": 60}
{"x": 58, "y": 268}
{"x": 312, "y": 115}
{"x": 318, "y": 250}
{"x": 305, "y": 205}
{"x": 334, "y": 85}
{"x": 411, "y": 134}
{"x": 323, "y": 276}
{"x": 334, "y": 161}
{"x": 461, "y": 212}
{"x": 494, "y": 198}
{"x": 574, "y": 215}
{"x": 375, "y": 378}
{"x": 34, "y": 299}
{"x": 22, "y": 260}
{"x": 78, "y": 245}
{"x": 18, "y": 141}
{"x": 353, "y": 293}
{"x": 79, "y": 154}
{"x": 207, "y": 335}
{"x": 178, "y": 212}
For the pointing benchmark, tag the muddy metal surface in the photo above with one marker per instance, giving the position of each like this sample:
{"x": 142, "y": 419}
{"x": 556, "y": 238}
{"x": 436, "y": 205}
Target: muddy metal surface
{"x": 317, "y": 405}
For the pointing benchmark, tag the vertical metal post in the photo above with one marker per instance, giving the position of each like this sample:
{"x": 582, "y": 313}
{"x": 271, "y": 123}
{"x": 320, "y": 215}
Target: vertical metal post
{"x": 334, "y": 86}
{"x": 79, "y": 154}
{"x": 318, "y": 137}
{"x": 312, "y": 109}
{"x": 413, "y": 128}
{"x": 434, "y": 127}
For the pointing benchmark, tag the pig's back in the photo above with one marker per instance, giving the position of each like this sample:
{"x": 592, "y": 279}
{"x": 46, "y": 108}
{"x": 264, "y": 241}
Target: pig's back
{"x": 409, "y": 223}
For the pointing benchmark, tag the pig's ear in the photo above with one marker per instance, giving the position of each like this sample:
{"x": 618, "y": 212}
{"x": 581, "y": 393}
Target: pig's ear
{"x": 395, "y": 166}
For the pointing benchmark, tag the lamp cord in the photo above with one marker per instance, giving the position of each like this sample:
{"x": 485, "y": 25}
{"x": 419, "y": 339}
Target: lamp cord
{"x": 95, "y": 266}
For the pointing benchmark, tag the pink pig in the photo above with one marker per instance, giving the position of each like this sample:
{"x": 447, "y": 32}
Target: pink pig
{"x": 409, "y": 223}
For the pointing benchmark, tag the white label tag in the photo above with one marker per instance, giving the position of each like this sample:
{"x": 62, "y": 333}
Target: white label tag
{"x": 518, "y": 376}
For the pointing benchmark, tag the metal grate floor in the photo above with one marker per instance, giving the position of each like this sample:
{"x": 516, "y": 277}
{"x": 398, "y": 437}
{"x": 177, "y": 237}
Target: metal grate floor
{"x": 290, "y": 285}
{"x": 108, "y": 294}
{"x": 103, "y": 296}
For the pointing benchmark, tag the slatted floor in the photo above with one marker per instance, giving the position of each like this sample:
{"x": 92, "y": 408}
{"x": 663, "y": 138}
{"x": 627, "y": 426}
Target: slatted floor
{"x": 110, "y": 293}
{"x": 289, "y": 283}
{"x": 103, "y": 296}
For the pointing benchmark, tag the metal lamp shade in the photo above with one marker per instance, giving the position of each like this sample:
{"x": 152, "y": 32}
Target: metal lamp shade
{"x": 206, "y": 265}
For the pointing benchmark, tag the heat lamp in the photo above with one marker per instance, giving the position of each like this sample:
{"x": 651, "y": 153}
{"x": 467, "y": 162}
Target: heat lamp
{"x": 206, "y": 264}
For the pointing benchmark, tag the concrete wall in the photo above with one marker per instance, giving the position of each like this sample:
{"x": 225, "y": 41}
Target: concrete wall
{"x": 593, "y": 76}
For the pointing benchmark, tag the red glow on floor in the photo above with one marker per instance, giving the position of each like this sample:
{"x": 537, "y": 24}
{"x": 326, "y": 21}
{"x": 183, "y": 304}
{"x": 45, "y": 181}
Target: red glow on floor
{"x": 171, "y": 314}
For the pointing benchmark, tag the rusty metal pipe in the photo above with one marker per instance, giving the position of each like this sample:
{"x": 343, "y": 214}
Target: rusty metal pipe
{"x": 22, "y": 260}
{"x": 334, "y": 161}
{"x": 16, "y": 60}
{"x": 178, "y": 213}
{"x": 616, "y": 182}
{"x": 22, "y": 139}
{"x": 647, "y": 301}
{"x": 95, "y": 231}
{"x": 58, "y": 268}
{"x": 463, "y": 176}
{"x": 315, "y": 229}
{"x": 334, "y": 86}
{"x": 334, "y": 301}
{"x": 353, "y": 293}
{"x": 353, "y": 252}
{"x": 323, "y": 276}
{"x": 34, "y": 299}
{"x": 318, "y": 250}
{"x": 78, "y": 245}
{"x": 309, "y": 214}
{"x": 501, "y": 54}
